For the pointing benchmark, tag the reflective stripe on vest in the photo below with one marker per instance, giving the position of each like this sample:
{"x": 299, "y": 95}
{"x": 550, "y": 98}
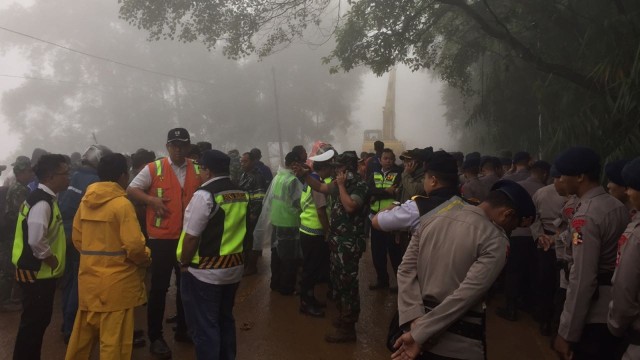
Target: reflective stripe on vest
{"x": 234, "y": 205}
{"x": 383, "y": 182}
{"x": 165, "y": 185}
{"x": 54, "y": 236}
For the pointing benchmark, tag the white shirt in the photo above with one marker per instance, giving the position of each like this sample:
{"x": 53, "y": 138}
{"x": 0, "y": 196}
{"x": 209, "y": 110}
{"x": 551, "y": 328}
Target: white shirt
{"x": 143, "y": 179}
{"x": 38, "y": 224}
{"x": 405, "y": 217}
{"x": 200, "y": 210}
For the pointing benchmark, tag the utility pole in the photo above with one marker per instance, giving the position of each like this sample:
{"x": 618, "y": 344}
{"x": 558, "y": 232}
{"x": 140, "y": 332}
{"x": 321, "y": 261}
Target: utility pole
{"x": 275, "y": 95}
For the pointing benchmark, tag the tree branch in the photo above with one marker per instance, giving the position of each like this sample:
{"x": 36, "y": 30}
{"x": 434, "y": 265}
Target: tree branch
{"x": 524, "y": 52}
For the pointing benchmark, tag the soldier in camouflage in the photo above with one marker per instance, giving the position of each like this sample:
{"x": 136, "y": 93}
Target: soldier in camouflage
{"x": 346, "y": 240}
{"x": 16, "y": 195}
{"x": 254, "y": 184}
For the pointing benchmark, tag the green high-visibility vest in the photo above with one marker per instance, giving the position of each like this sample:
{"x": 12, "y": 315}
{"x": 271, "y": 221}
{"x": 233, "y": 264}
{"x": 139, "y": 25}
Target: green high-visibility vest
{"x": 28, "y": 267}
{"x": 383, "y": 181}
{"x": 309, "y": 221}
{"x": 220, "y": 249}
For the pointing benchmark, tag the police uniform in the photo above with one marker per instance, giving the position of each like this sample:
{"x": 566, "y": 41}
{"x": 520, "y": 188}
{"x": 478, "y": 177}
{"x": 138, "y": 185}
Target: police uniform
{"x": 623, "y": 320}
{"x": 595, "y": 229}
{"x": 520, "y": 269}
{"x": 445, "y": 273}
{"x": 383, "y": 243}
{"x": 549, "y": 222}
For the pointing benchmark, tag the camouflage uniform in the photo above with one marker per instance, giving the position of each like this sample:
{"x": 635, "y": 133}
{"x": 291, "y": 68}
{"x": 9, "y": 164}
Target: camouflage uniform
{"x": 16, "y": 195}
{"x": 347, "y": 243}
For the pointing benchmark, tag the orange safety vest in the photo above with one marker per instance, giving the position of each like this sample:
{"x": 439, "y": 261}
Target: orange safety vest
{"x": 165, "y": 184}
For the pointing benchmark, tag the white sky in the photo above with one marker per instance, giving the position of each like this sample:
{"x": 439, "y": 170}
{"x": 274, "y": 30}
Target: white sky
{"x": 419, "y": 113}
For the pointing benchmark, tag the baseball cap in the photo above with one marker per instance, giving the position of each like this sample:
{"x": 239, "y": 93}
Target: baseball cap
{"x": 178, "y": 134}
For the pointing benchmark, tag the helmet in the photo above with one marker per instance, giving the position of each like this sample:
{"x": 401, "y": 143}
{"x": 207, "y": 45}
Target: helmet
{"x": 91, "y": 156}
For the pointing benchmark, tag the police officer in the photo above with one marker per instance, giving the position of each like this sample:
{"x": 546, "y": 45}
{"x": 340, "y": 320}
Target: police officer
{"x": 491, "y": 171}
{"x": 624, "y": 320}
{"x": 548, "y": 224}
{"x": 346, "y": 240}
{"x": 314, "y": 230}
{"x": 615, "y": 183}
{"x": 440, "y": 184}
{"x": 252, "y": 182}
{"x": 597, "y": 224}
{"x": 383, "y": 185}
{"x": 520, "y": 269}
{"x": 210, "y": 255}
{"x": 448, "y": 269}
{"x": 39, "y": 253}
{"x": 411, "y": 183}
{"x": 473, "y": 188}
{"x": 520, "y": 167}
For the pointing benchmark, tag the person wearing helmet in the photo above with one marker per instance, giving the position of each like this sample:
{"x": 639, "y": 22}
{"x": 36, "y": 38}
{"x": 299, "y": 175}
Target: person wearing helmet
{"x": 346, "y": 239}
{"x": 69, "y": 201}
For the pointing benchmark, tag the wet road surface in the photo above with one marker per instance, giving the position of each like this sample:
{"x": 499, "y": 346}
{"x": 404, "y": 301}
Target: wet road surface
{"x": 269, "y": 326}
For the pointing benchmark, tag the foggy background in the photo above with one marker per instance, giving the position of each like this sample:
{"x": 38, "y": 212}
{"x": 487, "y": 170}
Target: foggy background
{"x": 419, "y": 112}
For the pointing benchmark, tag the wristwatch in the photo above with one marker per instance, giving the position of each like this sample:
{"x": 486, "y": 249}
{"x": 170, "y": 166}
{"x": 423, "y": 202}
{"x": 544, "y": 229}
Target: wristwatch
{"x": 184, "y": 265}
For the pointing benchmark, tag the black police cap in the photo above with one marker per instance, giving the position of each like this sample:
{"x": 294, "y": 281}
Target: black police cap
{"x": 613, "y": 170}
{"x": 215, "y": 160}
{"x": 631, "y": 174}
{"x": 442, "y": 162}
{"x": 518, "y": 195}
{"x": 577, "y": 160}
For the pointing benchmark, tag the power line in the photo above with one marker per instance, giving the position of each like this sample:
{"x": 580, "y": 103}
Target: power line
{"x": 135, "y": 67}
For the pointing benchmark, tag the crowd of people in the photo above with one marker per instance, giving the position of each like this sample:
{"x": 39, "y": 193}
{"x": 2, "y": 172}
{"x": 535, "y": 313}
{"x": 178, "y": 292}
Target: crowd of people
{"x": 111, "y": 230}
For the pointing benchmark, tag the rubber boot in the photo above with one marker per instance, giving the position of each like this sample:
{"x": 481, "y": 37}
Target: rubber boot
{"x": 345, "y": 332}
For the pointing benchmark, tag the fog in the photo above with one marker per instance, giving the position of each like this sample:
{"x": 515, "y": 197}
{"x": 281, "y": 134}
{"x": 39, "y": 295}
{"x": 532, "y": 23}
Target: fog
{"x": 226, "y": 102}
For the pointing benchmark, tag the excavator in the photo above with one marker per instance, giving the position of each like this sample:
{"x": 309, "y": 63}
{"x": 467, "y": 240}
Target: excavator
{"x": 387, "y": 134}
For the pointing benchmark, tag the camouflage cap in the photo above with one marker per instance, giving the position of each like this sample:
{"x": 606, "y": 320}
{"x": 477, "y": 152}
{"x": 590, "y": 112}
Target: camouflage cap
{"x": 21, "y": 163}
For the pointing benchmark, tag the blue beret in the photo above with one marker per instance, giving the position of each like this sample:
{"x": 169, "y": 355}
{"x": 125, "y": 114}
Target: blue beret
{"x": 471, "y": 163}
{"x": 631, "y": 174}
{"x": 613, "y": 170}
{"x": 577, "y": 160}
{"x": 215, "y": 160}
{"x": 518, "y": 195}
{"x": 521, "y": 156}
{"x": 472, "y": 155}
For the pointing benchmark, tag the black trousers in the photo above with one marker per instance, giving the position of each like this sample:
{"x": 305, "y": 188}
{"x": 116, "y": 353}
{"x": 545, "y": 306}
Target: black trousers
{"x": 558, "y": 306}
{"x": 315, "y": 266}
{"x": 520, "y": 271}
{"x": 37, "y": 308}
{"x": 598, "y": 343}
{"x": 283, "y": 273}
{"x": 383, "y": 243}
{"x": 546, "y": 283}
{"x": 163, "y": 252}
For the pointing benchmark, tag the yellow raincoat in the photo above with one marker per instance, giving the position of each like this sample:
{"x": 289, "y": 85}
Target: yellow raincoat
{"x": 113, "y": 258}
{"x": 112, "y": 250}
